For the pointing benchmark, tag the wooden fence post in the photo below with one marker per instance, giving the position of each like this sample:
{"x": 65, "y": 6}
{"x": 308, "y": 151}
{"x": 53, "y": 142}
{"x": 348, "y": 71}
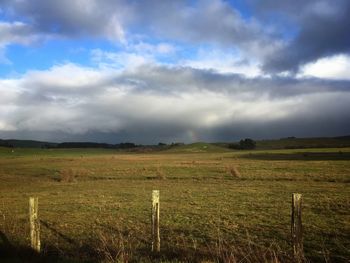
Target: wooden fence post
{"x": 297, "y": 228}
{"x": 155, "y": 221}
{"x": 34, "y": 224}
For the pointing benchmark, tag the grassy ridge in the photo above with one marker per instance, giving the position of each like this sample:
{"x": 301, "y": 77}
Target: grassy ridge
{"x": 299, "y": 143}
{"x": 199, "y": 147}
{"x": 95, "y": 203}
{"x": 284, "y": 143}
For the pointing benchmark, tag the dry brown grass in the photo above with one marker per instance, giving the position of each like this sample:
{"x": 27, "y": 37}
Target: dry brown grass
{"x": 114, "y": 246}
{"x": 200, "y": 193}
{"x": 160, "y": 173}
{"x": 10, "y": 226}
{"x": 248, "y": 252}
{"x": 67, "y": 175}
{"x": 233, "y": 171}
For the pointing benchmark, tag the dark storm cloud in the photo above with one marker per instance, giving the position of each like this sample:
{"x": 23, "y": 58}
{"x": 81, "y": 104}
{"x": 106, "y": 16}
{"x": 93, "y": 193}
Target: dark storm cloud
{"x": 160, "y": 79}
{"x": 298, "y": 127}
{"x": 156, "y": 103}
{"x": 14, "y": 33}
{"x": 322, "y": 29}
{"x": 70, "y": 18}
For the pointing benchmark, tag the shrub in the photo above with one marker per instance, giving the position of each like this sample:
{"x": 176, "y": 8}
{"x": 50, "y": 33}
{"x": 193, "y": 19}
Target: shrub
{"x": 234, "y": 146}
{"x": 247, "y": 144}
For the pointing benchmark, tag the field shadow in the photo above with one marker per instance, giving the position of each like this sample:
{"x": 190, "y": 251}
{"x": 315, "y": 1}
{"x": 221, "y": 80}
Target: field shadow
{"x": 299, "y": 156}
{"x": 4, "y": 240}
{"x": 18, "y": 253}
{"x": 53, "y": 230}
{"x": 90, "y": 251}
{"x": 75, "y": 252}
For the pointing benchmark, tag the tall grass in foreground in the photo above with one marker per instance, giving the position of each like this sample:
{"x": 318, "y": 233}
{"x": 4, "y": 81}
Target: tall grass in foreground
{"x": 117, "y": 243}
{"x": 126, "y": 247}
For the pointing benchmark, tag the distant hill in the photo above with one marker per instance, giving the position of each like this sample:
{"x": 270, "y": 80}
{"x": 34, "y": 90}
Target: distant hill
{"x": 39, "y": 144}
{"x": 126, "y": 145}
{"x": 283, "y": 143}
{"x": 300, "y": 143}
{"x": 26, "y": 144}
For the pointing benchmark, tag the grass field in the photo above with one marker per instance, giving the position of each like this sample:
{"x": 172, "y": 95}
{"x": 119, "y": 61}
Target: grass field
{"x": 217, "y": 205}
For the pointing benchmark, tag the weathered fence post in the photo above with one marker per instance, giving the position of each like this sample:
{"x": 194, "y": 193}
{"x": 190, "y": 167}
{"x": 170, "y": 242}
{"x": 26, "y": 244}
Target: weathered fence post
{"x": 155, "y": 221}
{"x": 297, "y": 228}
{"x": 34, "y": 224}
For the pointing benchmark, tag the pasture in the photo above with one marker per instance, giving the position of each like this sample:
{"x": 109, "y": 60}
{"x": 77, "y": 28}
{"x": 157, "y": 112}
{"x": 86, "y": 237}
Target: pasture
{"x": 216, "y": 204}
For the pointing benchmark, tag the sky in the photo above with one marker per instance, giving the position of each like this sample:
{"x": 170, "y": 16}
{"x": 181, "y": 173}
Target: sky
{"x": 173, "y": 71}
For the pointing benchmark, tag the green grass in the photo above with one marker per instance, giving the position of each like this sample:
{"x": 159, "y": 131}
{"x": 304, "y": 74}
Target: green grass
{"x": 95, "y": 204}
{"x": 199, "y": 147}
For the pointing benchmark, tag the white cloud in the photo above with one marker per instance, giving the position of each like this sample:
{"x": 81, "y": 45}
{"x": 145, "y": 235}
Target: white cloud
{"x": 115, "y": 31}
{"x": 161, "y": 48}
{"x": 165, "y": 48}
{"x": 6, "y": 127}
{"x": 66, "y": 77}
{"x": 223, "y": 62}
{"x": 3, "y": 58}
{"x": 132, "y": 56}
{"x": 119, "y": 21}
{"x": 15, "y": 33}
{"x": 334, "y": 67}
{"x": 120, "y": 60}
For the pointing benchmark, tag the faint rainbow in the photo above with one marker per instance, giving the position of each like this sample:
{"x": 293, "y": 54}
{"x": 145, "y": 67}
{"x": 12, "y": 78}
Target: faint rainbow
{"x": 193, "y": 136}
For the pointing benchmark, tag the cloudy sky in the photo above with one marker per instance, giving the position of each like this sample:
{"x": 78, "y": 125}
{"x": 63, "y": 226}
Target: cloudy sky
{"x": 171, "y": 70}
